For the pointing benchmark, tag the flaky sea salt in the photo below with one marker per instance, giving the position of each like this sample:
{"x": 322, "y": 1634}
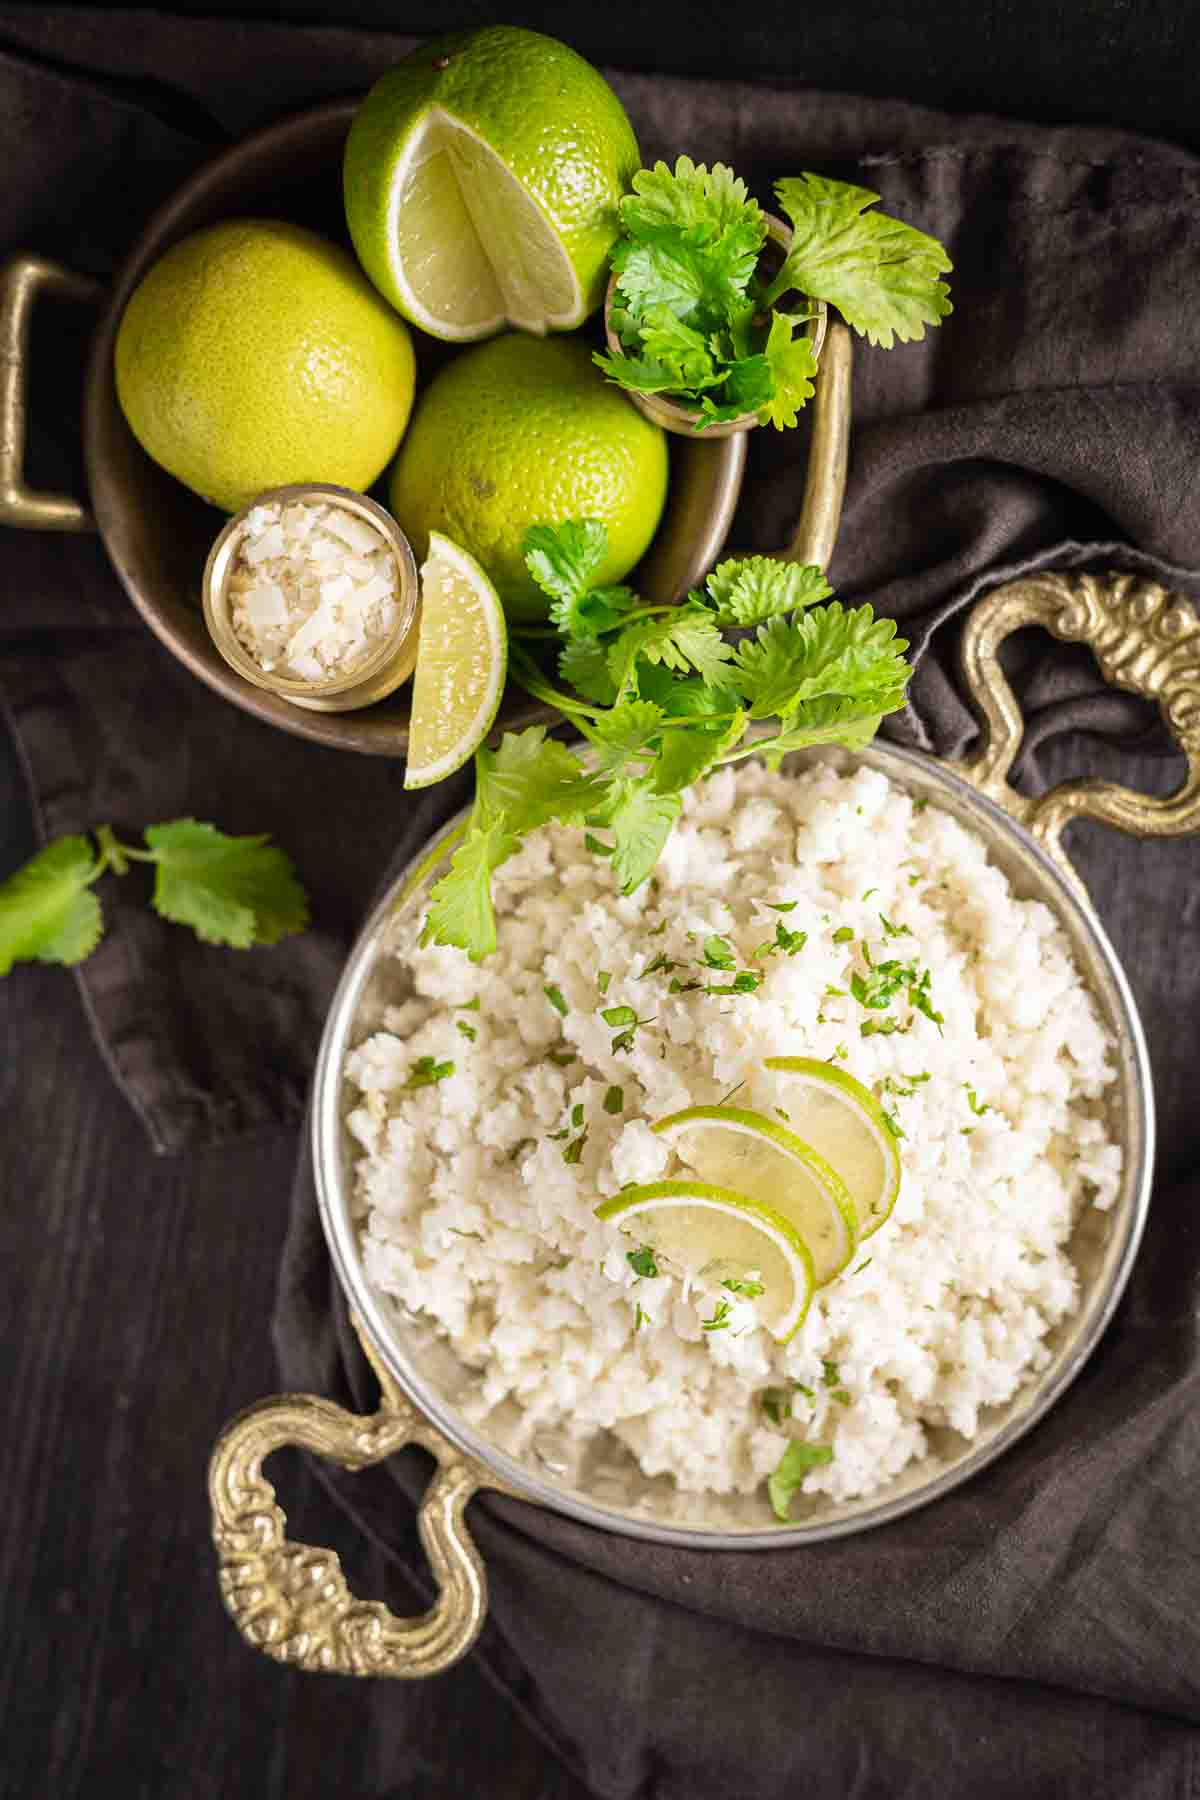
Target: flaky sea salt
{"x": 314, "y": 589}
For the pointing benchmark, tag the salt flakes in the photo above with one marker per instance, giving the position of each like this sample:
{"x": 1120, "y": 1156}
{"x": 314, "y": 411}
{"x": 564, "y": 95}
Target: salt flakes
{"x": 313, "y": 591}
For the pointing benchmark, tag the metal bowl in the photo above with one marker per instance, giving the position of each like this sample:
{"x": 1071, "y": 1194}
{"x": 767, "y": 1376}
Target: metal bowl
{"x": 158, "y": 534}
{"x": 1143, "y": 641}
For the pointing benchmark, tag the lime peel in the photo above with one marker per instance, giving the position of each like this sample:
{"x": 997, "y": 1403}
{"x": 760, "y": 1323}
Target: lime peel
{"x": 669, "y": 1217}
{"x": 836, "y": 1140}
{"x": 819, "y": 1202}
{"x": 462, "y": 658}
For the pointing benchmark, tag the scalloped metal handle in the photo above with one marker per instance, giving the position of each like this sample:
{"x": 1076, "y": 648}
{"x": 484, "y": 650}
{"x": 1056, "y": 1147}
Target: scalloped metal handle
{"x": 22, "y": 279}
{"x": 1145, "y": 640}
{"x": 291, "y": 1600}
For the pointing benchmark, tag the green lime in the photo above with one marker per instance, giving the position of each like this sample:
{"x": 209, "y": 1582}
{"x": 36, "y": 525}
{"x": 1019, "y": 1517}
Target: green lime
{"x": 526, "y": 431}
{"x": 462, "y": 653}
{"x": 845, "y": 1123}
{"x": 738, "y": 1148}
{"x": 481, "y": 183}
{"x": 255, "y": 354}
{"x": 703, "y": 1233}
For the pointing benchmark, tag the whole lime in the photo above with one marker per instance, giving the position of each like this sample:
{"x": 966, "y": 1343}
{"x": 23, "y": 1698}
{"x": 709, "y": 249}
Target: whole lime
{"x": 526, "y": 431}
{"x": 481, "y": 183}
{"x": 254, "y": 354}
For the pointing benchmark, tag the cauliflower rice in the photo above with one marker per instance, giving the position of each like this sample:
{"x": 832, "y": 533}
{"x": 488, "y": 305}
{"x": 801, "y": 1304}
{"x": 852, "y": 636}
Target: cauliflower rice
{"x": 471, "y": 1213}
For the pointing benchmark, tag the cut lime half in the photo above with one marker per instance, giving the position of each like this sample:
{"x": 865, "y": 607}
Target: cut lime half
{"x": 746, "y": 1151}
{"x": 462, "y": 655}
{"x": 712, "y": 1234}
{"x": 844, "y": 1122}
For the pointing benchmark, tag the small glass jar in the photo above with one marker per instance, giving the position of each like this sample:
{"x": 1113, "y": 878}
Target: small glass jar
{"x": 376, "y": 675}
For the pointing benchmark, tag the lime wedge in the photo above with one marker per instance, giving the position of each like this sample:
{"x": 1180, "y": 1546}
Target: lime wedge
{"x": 743, "y": 1150}
{"x": 844, "y": 1122}
{"x": 462, "y": 655}
{"x": 712, "y": 1234}
{"x": 481, "y": 183}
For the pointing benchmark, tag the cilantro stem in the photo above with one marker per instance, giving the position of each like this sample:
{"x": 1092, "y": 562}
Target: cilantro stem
{"x": 523, "y": 669}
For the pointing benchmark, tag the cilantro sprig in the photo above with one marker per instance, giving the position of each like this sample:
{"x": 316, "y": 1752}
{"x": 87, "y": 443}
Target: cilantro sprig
{"x": 662, "y": 698}
{"x": 698, "y": 315}
{"x": 238, "y": 891}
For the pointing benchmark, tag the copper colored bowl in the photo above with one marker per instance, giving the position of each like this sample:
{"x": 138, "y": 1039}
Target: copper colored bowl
{"x": 158, "y": 534}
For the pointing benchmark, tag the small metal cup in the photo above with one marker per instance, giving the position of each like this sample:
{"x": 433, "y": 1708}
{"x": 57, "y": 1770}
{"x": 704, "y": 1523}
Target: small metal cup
{"x": 377, "y": 675}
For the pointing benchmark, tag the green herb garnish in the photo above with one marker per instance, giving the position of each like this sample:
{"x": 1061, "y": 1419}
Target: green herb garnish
{"x": 720, "y": 1318}
{"x": 783, "y": 906}
{"x": 468, "y": 1005}
{"x": 426, "y": 1071}
{"x": 830, "y": 1374}
{"x": 749, "y": 1289}
{"x": 562, "y": 1059}
{"x": 693, "y": 308}
{"x": 237, "y": 891}
{"x": 661, "y": 697}
{"x": 640, "y": 1318}
{"x": 574, "y": 1149}
{"x": 795, "y": 1463}
{"x": 602, "y": 980}
{"x": 467, "y": 1031}
{"x": 776, "y": 1403}
{"x": 642, "y": 1262}
{"x": 614, "y": 1100}
{"x": 844, "y": 935}
{"x": 974, "y": 1104}
{"x": 555, "y": 997}
{"x": 894, "y": 931}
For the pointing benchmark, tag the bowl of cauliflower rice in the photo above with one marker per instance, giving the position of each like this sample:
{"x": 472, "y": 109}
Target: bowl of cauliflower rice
{"x": 761, "y": 1204}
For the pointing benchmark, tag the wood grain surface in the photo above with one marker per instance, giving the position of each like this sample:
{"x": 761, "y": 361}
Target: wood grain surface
{"x": 136, "y": 1293}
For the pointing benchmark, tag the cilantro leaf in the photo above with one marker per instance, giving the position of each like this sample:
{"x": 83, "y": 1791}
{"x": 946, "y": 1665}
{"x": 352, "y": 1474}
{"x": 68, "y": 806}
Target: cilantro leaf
{"x": 833, "y": 651}
{"x": 795, "y": 1463}
{"x": 46, "y": 911}
{"x": 683, "y": 638}
{"x": 747, "y": 590}
{"x": 687, "y": 755}
{"x": 564, "y": 559}
{"x": 681, "y": 348}
{"x": 691, "y": 198}
{"x": 583, "y": 665}
{"x": 626, "y": 733}
{"x": 231, "y": 890}
{"x": 640, "y": 821}
{"x": 531, "y": 779}
{"x": 827, "y": 721}
{"x": 460, "y": 905}
{"x": 880, "y": 273}
{"x": 640, "y": 373}
{"x": 792, "y": 368}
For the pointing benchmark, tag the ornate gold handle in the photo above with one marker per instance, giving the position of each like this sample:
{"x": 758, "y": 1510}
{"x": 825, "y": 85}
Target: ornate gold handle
{"x": 828, "y": 455}
{"x": 291, "y": 1600}
{"x": 1144, "y": 640}
{"x": 21, "y": 280}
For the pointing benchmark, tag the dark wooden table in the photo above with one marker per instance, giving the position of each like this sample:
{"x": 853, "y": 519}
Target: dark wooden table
{"x": 136, "y": 1296}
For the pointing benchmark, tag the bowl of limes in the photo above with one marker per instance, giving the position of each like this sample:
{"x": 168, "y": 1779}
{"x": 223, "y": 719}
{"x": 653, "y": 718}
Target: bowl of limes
{"x": 380, "y": 296}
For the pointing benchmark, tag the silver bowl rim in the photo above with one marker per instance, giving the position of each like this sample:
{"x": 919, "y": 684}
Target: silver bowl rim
{"x": 325, "y": 1136}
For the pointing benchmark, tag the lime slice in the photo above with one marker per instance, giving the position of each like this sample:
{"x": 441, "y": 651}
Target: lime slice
{"x": 743, "y": 1150}
{"x": 481, "y": 183}
{"x": 844, "y": 1122}
{"x": 462, "y": 655}
{"x": 712, "y": 1234}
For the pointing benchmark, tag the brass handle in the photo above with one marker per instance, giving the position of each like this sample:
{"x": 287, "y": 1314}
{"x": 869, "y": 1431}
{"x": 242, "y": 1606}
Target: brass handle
{"x": 291, "y": 1600}
{"x": 21, "y": 280}
{"x": 828, "y": 455}
{"x": 1144, "y": 640}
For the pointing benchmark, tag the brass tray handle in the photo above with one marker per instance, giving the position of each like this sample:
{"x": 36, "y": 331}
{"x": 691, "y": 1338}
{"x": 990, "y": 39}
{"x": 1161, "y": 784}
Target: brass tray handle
{"x": 1145, "y": 640}
{"x": 828, "y": 455}
{"x": 291, "y": 1600}
{"x": 22, "y": 278}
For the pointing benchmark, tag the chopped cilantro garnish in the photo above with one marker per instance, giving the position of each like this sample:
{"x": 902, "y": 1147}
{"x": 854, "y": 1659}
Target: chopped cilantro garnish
{"x": 840, "y": 1053}
{"x": 662, "y": 965}
{"x": 683, "y": 987}
{"x": 720, "y": 1318}
{"x": 830, "y": 1374}
{"x": 554, "y": 996}
{"x": 920, "y": 803}
{"x": 844, "y": 935}
{"x": 718, "y": 953}
{"x": 892, "y": 1122}
{"x": 783, "y": 906}
{"x": 879, "y": 1027}
{"x": 468, "y": 1005}
{"x": 625, "y": 1023}
{"x": 640, "y": 1318}
{"x": 642, "y": 1262}
{"x": 556, "y": 1137}
{"x": 618, "y": 1015}
{"x": 806, "y": 1391}
{"x": 744, "y": 982}
{"x": 426, "y": 1071}
{"x": 562, "y": 1059}
{"x": 894, "y": 931}
{"x": 795, "y": 1463}
{"x": 785, "y": 1116}
{"x": 577, "y": 1114}
{"x": 574, "y": 1149}
{"x": 869, "y": 892}
{"x": 603, "y": 979}
{"x": 841, "y": 1396}
{"x": 748, "y": 1288}
{"x": 973, "y": 1102}
{"x": 467, "y": 1031}
{"x": 614, "y": 1100}
{"x": 776, "y": 1403}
